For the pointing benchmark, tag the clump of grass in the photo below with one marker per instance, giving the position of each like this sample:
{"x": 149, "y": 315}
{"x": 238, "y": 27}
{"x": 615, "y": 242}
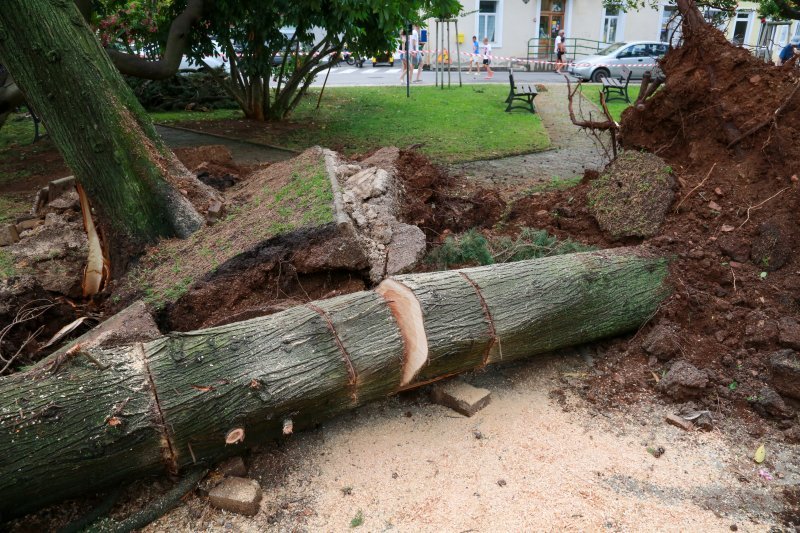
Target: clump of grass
{"x": 472, "y": 248}
{"x": 11, "y": 208}
{"x": 358, "y": 519}
{"x": 6, "y": 265}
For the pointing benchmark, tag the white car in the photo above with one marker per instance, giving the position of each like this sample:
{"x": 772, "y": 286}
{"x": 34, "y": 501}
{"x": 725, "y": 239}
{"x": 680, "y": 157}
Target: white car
{"x": 638, "y": 56}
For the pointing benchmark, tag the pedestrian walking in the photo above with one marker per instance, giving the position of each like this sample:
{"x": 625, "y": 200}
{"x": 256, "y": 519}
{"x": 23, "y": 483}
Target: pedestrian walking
{"x": 403, "y": 55}
{"x": 788, "y": 51}
{"x": 473, "y": 59}
{"x": 561, "y": 51}
{"x": 486, "y": 52}
{"x": 416, "y": 55}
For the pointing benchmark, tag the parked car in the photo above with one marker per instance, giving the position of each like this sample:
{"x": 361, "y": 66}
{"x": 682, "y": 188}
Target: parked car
{"x": 639, "y": 56}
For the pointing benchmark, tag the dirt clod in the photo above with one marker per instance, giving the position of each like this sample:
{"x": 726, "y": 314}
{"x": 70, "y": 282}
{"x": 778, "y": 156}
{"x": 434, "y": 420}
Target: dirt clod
{"x": 632, "y": 196}
{"x": 683, "y": 381}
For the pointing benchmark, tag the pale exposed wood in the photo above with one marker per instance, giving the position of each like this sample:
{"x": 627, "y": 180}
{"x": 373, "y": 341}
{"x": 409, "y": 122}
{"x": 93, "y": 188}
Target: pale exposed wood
{"x": 408, "y": 313}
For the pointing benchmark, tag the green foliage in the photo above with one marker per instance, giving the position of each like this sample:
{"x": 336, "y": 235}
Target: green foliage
{"x": 533, "y": 244}
{"x": 249, "y": 34}
{"x": 471, "y": 248}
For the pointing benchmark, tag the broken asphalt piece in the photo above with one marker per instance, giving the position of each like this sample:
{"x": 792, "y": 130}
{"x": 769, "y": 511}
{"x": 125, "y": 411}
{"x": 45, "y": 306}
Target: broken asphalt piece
{"x": 237, "y": 495}
{"x": 461, "y": 397}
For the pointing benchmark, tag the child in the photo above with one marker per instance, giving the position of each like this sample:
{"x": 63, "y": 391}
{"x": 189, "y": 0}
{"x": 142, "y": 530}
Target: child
{"x": 487, "y": 58}
{"x": 473, "y": 59}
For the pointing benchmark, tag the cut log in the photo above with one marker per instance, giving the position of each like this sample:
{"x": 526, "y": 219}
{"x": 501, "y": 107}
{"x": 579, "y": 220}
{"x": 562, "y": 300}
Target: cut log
{"x": 116, "y": 414}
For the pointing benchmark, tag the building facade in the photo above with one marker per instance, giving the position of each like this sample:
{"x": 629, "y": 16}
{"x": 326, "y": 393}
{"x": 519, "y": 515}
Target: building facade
{"x": 525, "y": 28}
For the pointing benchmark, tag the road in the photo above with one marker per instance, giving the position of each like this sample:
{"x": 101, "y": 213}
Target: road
{"x": 347, "y": 76}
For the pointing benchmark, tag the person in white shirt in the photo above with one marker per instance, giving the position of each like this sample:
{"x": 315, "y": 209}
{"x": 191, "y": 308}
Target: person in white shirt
{"x": 416, "y": 55}
{"x": 561, "y": 51}
{"x": 486, "y": 53}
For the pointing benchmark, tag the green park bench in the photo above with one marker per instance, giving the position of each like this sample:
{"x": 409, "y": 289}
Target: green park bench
{"x": 525, "y": 93}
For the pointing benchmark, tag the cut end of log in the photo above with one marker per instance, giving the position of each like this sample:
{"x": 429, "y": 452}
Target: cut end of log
{"x": 407, "y": 311}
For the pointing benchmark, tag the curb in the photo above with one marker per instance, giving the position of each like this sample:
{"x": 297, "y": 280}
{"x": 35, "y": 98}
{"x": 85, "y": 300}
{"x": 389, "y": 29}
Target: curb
{"x": 233, "y": 139}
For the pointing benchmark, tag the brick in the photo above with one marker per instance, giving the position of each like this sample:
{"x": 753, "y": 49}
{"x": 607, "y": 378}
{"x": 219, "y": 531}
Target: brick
{"x": 8, "y": 235}
{"x": 677, "y": 421}
{"x": 237, "y": 495}
{"x": 461, "y": 397}
{"x": 233, "y": 467}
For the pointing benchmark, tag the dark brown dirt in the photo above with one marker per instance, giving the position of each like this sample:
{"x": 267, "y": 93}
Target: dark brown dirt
{"x": 736, "y": 268}
{"x": 439, "y": 203}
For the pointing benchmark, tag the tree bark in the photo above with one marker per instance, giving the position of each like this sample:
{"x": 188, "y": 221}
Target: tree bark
{"x": 111, "y": 415}
{"x": 103, "y": 133}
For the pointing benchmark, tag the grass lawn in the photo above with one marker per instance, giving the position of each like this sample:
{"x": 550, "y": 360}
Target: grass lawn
{"x": 18, "y": 129}
{"x": 592, "y": 92}
{"x": 456, "y": 125}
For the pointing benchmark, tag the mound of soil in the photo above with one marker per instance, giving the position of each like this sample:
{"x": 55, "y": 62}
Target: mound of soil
{"x": 736, "y": 268}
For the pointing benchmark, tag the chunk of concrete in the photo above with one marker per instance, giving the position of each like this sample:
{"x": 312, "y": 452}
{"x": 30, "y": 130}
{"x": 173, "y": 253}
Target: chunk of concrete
{"x": 58, "y": 187}
{"x": 461, "y": 397}
{"x": 233, "y": 467}
{"x": 32, "y": 223}
{"x": 237, "y": 495}
{"x": 8, "y": 235}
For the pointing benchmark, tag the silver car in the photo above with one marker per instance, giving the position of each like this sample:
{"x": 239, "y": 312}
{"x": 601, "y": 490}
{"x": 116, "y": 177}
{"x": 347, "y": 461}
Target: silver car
{"x": 638, "y": 56}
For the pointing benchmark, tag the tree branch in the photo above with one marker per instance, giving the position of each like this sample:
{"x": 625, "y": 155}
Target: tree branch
{"x": 177, "y": 43}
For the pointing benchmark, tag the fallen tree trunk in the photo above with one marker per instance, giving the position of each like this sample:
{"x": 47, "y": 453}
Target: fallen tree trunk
{"x": 105, "y": 416}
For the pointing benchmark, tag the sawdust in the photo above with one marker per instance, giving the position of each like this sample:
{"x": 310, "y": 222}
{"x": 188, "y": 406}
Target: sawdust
{"x": 537, "y": 457}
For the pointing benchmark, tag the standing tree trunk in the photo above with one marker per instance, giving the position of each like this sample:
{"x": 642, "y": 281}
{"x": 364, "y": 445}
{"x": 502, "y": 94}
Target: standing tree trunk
{"x": 103, "y": 133}
{"x": 111, "y": 415}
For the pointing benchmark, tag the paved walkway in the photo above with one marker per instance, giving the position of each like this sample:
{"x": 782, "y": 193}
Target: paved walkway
{"x": 573, "y": 149}
{"x": 243, "y": 152}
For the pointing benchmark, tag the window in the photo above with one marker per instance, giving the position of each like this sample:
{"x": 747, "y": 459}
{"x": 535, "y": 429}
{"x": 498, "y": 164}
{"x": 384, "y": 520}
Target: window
{"x": 487, "y": 21}
{"x": 636, "y": 50}
{"x": 740, "y": 27}
{"x": 670, "y": 25}
{"x": 611, "y": 23}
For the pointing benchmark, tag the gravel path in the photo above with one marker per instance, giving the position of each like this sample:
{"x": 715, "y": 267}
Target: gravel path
{"x": 573, "y": 150}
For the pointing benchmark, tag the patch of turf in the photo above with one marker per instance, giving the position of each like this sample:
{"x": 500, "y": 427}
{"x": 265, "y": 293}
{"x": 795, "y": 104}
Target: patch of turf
{"x": 455, "y": 125}
{"x": 11, "y": 207}
{"x": 6, "y": 265}
{"x": 18, "y": 129}
{"x": 592, "y": 92}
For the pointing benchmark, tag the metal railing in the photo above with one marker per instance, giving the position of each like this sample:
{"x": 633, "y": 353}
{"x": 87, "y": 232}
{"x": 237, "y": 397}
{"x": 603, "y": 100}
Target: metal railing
{"x": 544, "y": 48}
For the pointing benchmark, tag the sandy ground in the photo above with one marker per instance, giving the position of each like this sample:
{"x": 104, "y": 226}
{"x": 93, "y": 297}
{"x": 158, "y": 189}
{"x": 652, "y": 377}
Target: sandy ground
{"x": 538, "y": 457}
